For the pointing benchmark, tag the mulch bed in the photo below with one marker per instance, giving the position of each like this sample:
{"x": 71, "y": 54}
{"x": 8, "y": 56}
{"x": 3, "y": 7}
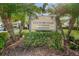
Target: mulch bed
{"x": 38, "y": 51}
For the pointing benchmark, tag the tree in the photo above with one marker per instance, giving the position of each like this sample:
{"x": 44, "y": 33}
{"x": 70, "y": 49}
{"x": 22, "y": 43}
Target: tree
{"x": 55, "y": 10}
{"x": 63, "y": 9}
{"x": 72, "y": 9}
{"x": 32, "y": 13}
{"x": 5, "y": 12}
{"x": 24, "y": 11}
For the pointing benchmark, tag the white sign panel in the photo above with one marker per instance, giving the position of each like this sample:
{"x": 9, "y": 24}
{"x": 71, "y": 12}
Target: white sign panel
{"x": 43, "y": 24}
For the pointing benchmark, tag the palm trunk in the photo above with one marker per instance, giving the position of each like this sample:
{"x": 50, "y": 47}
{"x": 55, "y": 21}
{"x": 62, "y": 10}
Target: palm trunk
{"x": 59, "y": 27}
{"x": 71, "y": 25}
{"x": 22, "y": 25}
{"x": 6, "y": 19}
{"x": 29, "y": 23}
{"x": 21, "y": 28}
{"x": 77, "y": 24}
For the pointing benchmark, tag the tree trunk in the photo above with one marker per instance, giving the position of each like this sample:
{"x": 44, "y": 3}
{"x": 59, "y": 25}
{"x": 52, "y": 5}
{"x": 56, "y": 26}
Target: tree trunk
{"x": 77, "y": 23}
{"x": 21, "y": 28}
{"x": 6, "y": 19}
{"x": 29, "y": 23}
{"x": 64, "y": 41}
{"x": 59, "y": 26}
{"x": 23, "y": 24}
{"x": 71, "y": 25}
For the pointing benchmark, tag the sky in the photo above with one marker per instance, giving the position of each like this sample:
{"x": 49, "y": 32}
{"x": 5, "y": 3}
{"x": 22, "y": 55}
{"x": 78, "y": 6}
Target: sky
{"x": 41, "y": 4}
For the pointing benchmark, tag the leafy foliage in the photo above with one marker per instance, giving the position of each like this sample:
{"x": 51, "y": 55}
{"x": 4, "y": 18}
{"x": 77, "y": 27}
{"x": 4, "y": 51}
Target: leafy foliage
{"x": 36, "y": 39}
{"x": 3, "y": 37}
{"x": 72, "y": 9}
{"x": 2, "y": 42}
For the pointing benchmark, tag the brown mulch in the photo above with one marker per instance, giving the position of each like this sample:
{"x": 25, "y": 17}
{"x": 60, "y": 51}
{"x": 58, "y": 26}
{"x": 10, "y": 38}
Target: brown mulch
{"x": 39, "y": 51}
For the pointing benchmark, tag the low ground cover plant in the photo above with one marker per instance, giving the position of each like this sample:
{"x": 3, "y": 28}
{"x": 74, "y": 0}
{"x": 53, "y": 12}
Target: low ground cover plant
{"x": 36, "y": 39}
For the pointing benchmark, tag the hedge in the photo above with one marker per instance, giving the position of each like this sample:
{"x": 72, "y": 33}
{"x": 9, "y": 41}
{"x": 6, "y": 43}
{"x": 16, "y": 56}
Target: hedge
{"x": 3, "y": 37}
{"x": 36, "y": 39}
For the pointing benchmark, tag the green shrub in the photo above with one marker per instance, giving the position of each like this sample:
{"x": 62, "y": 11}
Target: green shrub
{"x": 3, "y": 37}
{"x": 36, "y": 39}
{"x": 2, "y": 42}
{"x": 74, "y": 45}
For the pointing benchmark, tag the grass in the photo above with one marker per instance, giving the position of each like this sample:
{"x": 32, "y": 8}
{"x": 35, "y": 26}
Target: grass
{"x": 74, "y": 33}
{"x": 16, "y": 31}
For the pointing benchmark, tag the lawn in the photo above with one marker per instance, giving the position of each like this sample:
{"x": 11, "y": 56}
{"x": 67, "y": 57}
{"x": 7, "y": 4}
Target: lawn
{"x": 74, "y": 33}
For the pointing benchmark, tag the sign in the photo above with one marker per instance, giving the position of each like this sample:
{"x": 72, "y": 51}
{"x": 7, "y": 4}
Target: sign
{"x": 43, "y": 24}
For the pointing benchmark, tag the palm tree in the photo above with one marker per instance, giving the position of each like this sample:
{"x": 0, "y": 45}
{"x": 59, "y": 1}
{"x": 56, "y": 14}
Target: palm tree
{"x": 73, "y": 11}
{"x": 55, "y": 10}
{"x": 6, "y": 11}
{"x": 63, "y": 9}
{"x": 25, "y": 11}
